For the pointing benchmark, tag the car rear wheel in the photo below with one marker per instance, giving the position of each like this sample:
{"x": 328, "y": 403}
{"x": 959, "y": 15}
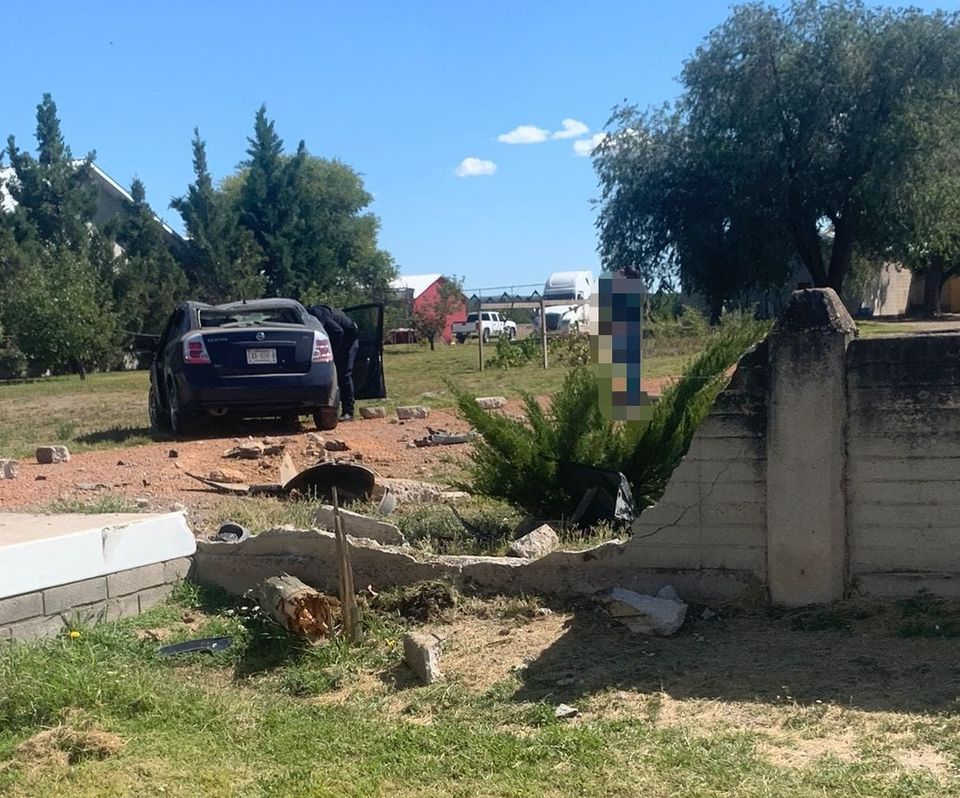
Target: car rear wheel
{"x": 159, "y": 421}
{"x": 326, "y": 418}
{"x": 183, "y": 420}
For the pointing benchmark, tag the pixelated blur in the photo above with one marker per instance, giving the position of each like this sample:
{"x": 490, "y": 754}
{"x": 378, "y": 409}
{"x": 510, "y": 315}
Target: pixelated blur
{"x": 616, "y": 348}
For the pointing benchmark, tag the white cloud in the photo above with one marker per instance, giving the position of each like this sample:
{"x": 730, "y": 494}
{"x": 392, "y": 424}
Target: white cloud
{"x": 572, "y": 128}
{"x": 586, "y": 147}
{"x": 474, "y": 167}
{"x": 524, "y": 134}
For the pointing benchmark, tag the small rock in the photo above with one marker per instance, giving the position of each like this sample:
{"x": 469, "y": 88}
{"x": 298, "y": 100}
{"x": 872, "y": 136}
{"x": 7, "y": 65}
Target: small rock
{"x": 177, "y": 507}
{"x": 39, "y": 478}
{"x": 336, "y": 445}
{"x": 122, "y": 463}
{"x": 53, "y": 454}
{"x": 142, "y": 503}
{"x": 648, "y": 615}
{"x": 393, "y": 421}
{"x": 9, "y": 469}
{"x": 272, "y": 449}
{"x": 543, "y": 612}
{"x": 313, "y": 437}
{"x": 708, "y": 614}
{"x": 228, "y": 475}
{"x": 565, "y": 711}
{"x": 422, "y": 652}
{"x": 491, "y": 402}
{"x": 173, "y": 453}
{"x": 89, "y": 485}
{"x": 373, "y": 412}
{"x": 412, "y": 411}
{"x": 535, "y": 544}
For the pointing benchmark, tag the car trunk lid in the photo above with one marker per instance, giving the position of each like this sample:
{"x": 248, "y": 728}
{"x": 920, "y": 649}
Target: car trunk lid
{"x": 261, "y": 350}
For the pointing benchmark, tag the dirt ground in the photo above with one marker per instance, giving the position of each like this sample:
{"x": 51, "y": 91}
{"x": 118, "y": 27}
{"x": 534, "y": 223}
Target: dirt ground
{"x": 153, "y": 472}
{"x": 160, "y": 477}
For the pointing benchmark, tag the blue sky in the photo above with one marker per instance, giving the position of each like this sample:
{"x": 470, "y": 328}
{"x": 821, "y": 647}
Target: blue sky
{"x": 401, "y": 91}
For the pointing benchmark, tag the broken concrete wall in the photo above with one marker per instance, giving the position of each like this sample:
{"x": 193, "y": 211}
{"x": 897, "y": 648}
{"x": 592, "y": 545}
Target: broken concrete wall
{"x": 713, "y": 511}
{"x": 311, "y": 556}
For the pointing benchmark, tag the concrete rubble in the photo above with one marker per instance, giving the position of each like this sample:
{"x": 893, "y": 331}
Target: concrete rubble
{"x": 422, "y": 653}
{"x": 9, "y": 469}
{"x": 538, "y": 543}
{"x": 661, "y": 615}
{"x": 361, "y": 526}
{"x": 47, "y": 455}
{"x": 407, "y": 412}
{"x": 491, "y": 402}
{"x": 372, "y": 412}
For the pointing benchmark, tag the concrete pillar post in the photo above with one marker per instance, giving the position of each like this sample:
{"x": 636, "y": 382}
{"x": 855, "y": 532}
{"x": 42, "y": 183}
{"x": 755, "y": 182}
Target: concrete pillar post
{"x": 806, "y": 450}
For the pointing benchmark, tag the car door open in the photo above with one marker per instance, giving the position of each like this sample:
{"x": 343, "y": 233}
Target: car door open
{"x": 368, "y": 367}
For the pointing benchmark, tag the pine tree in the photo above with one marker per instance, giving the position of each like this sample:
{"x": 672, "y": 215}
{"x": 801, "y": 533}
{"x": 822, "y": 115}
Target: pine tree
{"x": 149, "y": 282}
{"x": 223, "y": 261}
{"x": 267, "y": 202}
{"x": 55, "y": 198}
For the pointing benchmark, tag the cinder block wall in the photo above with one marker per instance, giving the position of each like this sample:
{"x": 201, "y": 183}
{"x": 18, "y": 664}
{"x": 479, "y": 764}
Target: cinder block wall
{"x": 903, "y": 464}
{"x": 820, "y": 499}
{"x": 42, "y": 613}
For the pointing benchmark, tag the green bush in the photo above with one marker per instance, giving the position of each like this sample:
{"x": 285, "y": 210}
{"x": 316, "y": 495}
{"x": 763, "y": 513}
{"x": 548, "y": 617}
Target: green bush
{"x": 511, "y": 354}
{"x": 520, "y": 460}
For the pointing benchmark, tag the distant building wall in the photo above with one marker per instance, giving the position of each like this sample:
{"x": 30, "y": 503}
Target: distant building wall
{"x": 430, "y": 297}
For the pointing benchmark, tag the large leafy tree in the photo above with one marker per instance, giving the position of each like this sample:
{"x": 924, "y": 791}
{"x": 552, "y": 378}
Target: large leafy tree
{"x": 795, "y": 123}
{"x": 222, "y": 258}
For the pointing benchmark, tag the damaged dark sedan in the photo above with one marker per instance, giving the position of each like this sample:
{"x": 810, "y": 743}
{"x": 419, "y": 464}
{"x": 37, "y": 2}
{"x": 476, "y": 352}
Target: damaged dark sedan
{"x": 255, "y": 359}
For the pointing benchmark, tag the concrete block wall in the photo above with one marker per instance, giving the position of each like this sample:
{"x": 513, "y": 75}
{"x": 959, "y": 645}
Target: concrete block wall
{"x": 43, "y": 613}
{"x": 712, "y": 514}
{"x": 834, "y": 460}
{"x": 903, "y": 464}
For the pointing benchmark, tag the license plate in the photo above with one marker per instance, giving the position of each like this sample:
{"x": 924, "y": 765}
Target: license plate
{"x": 255, "y": 357}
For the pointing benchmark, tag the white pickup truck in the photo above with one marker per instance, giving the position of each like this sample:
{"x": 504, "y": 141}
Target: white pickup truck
{"x": 492, "y": 325}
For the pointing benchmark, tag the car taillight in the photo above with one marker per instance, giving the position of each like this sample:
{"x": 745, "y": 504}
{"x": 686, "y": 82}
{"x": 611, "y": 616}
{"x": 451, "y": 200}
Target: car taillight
{"x": 194, "y": 350}
{"x": 322, "y": 353}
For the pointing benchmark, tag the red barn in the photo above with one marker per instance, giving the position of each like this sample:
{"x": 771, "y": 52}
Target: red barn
{"x": 420, "y": 291}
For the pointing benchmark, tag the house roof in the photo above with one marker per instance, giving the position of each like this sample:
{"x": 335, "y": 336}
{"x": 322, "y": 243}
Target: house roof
{"x": 418, "y": 283}
{"x": 107, "y": 185}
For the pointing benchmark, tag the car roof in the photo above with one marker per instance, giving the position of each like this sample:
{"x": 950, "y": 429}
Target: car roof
{"x": 254, "y": 304}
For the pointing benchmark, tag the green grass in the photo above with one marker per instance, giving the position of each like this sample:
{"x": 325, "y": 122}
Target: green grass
{"x": 875, "y": 329}
{"x": 273, "y": 717}
{"x": 110, "y": 410}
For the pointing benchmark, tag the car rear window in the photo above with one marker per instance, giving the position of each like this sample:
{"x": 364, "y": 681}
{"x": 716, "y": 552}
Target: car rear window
{"x": 254, "y": 317}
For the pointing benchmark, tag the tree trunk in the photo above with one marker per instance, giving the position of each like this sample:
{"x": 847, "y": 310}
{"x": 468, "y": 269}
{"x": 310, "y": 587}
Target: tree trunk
{"x": 932, "y": 287}
{"x": 841, "y": 255}
{"x": 297, "y": 607}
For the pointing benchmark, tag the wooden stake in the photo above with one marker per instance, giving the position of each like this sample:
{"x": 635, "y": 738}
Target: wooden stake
{"x": 348, "y": 597}
{"x": 543, "y": 331}
{"x": 480, "y": 333}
